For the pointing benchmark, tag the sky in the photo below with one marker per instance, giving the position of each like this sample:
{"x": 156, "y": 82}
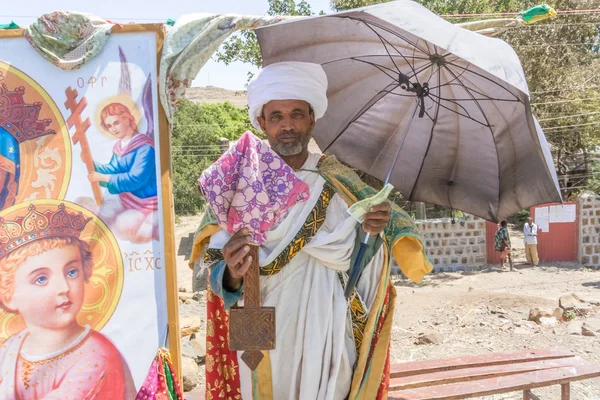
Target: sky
{"x": 233, "y": 77}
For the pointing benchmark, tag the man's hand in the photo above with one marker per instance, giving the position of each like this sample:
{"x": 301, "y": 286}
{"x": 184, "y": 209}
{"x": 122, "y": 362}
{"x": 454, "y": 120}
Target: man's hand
{"x": 377, "y": 219}
{"x": 234, "y": 254}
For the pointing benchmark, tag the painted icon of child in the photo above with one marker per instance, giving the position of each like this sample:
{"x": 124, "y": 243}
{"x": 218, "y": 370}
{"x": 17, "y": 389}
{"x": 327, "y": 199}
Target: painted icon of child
{"x": 130, "y": 174}
{"x": 44, "y": 282}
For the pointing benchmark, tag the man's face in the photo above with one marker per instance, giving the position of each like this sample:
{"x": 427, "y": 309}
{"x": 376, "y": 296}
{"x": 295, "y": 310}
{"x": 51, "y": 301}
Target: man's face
{"x": 288, "y": 125}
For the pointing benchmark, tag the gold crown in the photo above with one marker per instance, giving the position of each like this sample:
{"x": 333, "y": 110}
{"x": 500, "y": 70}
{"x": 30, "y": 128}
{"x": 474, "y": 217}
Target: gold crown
{"x": 20, "y": 119}
{"x": 39, "y": 225}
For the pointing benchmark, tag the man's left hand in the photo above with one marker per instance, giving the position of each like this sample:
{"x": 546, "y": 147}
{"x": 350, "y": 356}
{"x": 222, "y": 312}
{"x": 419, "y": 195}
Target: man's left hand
{"x": 377, "y": 219}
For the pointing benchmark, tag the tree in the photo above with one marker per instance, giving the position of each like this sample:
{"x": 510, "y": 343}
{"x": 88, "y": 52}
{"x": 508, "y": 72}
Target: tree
{"x": 196, "y": 140}
{"x": 244, "y": 47}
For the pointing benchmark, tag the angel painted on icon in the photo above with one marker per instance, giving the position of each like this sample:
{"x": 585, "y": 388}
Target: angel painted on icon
{"x": 130, "y": 175}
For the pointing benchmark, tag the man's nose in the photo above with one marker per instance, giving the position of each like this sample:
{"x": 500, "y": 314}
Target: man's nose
{"x": 287, "y": 123}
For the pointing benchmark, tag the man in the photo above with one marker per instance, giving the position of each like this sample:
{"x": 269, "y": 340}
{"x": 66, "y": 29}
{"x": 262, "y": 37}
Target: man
{"x": 502, "y": 244}
{"x": 326, "y": 347}
{"x": 530, "y": 230}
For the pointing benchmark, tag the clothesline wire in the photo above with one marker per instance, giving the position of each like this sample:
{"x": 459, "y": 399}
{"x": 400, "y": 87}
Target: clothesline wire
{"x": 570, "y": 126}
{"x": 570, "y": 116}
{"x": 566, "y": 101}
{"x": 557, "y": 44}
{"x": 565, "y": 13}
{"x": 566, "y": 90}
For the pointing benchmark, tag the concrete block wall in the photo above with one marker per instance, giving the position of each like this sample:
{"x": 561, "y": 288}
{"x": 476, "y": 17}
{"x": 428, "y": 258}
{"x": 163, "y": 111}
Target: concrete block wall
{"x": 589, "y": 230}
{"x": 454, "y": 245}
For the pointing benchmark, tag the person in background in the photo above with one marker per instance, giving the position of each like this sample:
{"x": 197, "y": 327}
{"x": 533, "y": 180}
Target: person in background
{"x": 530, "y": 231}
{"x": 502, "y": 244}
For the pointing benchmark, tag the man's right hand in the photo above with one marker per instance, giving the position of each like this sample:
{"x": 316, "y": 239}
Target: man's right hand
{"x": 235, "y": 256}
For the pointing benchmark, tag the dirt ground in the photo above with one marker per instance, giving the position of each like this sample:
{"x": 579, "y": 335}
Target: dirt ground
{"x": 475, "y": 312}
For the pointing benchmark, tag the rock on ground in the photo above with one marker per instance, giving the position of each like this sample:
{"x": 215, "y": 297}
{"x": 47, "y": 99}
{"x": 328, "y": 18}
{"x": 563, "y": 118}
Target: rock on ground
{"x": 189, "y": 370}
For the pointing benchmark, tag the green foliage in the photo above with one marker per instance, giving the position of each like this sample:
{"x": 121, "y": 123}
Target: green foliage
{"x": 519, "y": 219}
{"x": 195, "y": 140}
{"x": 244, "y": 47}
{"x": 594, "y": 182}
{"x": 457, "y": 214}
{"x": 341, "y": 5}
{"x": 569, "y": 315}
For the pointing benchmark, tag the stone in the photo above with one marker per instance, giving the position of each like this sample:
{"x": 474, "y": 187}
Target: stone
{"x": 548, "y": 321}
{"x": 189, "y": 370}
{"x": 558, "y": 314}
{"x": 182, "y": 290}
{"x": 189, "y": 325}
{"x": 587, "y": 332}
{"x": 198, "y": 296}
{"x": 531, "y": 325}
{"x": 570, "y": 302}
{"x": 595, "y": 301}
{"x": 496, "y": 310}
{"x": 536, "y": 314}
{"x": 198, "y": 345}
{"x": 592, "y": 326}
{"x": 574, "y": 328}
{"x": 430, "y": 338}
{"x": 185, "y": 296}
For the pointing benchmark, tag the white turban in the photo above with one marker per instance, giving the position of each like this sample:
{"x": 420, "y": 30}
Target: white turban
{"x": 288, "y": 81}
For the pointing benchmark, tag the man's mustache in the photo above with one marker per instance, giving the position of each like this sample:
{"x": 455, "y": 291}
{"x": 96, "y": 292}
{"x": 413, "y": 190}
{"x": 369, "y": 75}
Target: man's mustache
{"x": 286, "y": 133}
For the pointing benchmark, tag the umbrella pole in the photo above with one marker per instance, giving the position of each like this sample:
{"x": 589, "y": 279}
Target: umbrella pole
{"x": 356, "y": 269}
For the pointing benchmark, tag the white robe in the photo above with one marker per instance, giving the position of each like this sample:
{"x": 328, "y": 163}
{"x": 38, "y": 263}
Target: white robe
{"x": 315, "y": 351}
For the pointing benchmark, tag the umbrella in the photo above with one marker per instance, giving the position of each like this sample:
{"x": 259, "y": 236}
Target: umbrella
{"x": 441, "y": 112}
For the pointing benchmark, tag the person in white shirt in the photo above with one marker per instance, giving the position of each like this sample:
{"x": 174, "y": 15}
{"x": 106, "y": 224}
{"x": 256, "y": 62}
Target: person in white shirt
{"x": 530, "y": 231}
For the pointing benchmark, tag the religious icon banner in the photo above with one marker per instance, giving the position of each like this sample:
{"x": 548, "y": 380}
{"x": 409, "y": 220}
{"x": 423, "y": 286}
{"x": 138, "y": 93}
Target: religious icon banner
{"x": 86, "y": 273}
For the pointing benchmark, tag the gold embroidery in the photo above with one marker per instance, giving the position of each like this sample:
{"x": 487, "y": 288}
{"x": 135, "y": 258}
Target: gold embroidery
{"x": 311, "y": 226}
{"x": 358, "y": 313}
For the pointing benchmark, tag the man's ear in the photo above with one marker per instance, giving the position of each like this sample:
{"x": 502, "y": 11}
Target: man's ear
{"x": 262, "y": 122}
{"x": 312, "y": 118}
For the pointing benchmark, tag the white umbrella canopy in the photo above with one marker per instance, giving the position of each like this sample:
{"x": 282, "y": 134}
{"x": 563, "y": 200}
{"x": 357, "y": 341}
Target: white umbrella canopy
{"x": 443, "y": 110}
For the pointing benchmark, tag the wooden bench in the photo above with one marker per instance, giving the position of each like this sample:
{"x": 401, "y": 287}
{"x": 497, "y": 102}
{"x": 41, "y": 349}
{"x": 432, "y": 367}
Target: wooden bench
{"x": 488, "y": 374}
{"x": 482, "y": 375}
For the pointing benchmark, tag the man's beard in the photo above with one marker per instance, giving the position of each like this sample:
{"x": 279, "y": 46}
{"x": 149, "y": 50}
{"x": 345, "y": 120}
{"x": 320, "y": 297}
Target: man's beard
{"x": 292, "y": 148}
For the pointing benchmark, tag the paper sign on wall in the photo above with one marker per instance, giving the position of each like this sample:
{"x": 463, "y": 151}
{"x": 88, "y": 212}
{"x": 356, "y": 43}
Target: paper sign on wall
{"x": 563, "y": 213}
{"x": 542, "y": 219}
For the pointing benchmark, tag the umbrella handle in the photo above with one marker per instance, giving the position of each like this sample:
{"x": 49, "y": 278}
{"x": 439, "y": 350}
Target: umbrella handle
{"x": 355, "y": 272}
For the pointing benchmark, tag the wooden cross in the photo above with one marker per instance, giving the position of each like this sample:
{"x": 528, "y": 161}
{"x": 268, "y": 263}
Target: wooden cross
{"x": 79, "y": 137}
{"x": 252, "y": 328}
